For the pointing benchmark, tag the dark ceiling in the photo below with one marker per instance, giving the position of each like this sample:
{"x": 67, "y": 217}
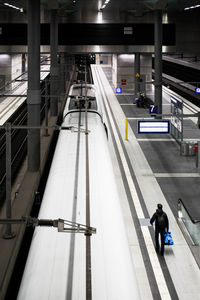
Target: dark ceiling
{"x": 128, "y": 5}
{"x": 134, "y": 7}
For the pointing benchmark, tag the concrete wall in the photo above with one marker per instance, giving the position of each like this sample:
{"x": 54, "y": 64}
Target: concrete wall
{"x": 123, "y": 70}
{"x": 146, "y": 69}
{"x": 16, "y": 67}
{"x": 114, "y": 69}
{"x": 105, "y": 59}
{"x": 5, "y": 69}
{"x": 10, "y": 68}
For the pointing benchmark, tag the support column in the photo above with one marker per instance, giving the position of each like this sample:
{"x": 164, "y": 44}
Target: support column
{"x": 158, "y": 60}
{"x": 137, "y": 71}
{"x": 33, "y": 93}
{"x": 62, "y": 73}
{"x": 67, "y": 68}
{"x": 23, "y": 62}
{"x": 54, "y": 63}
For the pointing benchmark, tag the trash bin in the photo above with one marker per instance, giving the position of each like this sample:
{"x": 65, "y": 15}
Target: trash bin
{"x": 191, "y": 149}
{"x": 188, "y": 148}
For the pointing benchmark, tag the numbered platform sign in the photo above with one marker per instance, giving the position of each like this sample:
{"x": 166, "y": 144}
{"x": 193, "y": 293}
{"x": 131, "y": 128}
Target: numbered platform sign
{"x": 153, "y": 109}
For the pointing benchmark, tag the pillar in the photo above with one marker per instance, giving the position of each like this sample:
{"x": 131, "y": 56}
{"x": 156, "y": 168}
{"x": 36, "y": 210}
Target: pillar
{"x": 33, "y": 93}
{"x": 62, "y": 73}
{"x": 137, "y": 71}
{"x": 23, "y": 62}
{"x": 158, "y": 59}
{"x": 54, "y": 63}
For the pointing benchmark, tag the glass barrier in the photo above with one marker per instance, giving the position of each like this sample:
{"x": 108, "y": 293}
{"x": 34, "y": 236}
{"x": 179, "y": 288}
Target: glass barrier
{"x": 192, "y": 226}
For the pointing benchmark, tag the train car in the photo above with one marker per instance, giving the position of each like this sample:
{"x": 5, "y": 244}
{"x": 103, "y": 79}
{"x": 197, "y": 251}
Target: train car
{"x": 10, "y": 105}
{"x": 13, "y": 109}
{"x": 56, "y": 264}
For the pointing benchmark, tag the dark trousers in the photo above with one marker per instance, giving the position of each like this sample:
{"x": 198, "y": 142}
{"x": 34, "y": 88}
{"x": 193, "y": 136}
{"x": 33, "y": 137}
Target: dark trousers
{"x": 162, "y": 238}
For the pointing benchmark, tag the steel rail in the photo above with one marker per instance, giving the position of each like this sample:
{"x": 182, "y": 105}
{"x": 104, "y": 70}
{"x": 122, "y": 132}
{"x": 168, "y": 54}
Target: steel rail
{"x": 74, "y": 211}
{"x": 88, "y": 239}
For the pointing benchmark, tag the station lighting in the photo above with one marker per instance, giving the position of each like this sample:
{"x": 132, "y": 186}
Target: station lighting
{"x": 15, "y": 7}
{"x": 104, "y": 5}
{"x": 191, "y": 7}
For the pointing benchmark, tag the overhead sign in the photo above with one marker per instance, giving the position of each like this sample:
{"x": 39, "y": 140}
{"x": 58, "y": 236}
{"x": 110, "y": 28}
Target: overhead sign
{"x": 128, "y": 30}
{"x": 118, "y": 90}
{"x": 197, "y": 90}
{"x": 177, "y": 102}
{"x": 153, "y": 126}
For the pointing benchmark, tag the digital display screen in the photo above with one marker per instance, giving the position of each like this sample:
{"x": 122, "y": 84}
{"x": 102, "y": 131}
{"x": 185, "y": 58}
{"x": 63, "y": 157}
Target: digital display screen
{"x": 153, "y": 126}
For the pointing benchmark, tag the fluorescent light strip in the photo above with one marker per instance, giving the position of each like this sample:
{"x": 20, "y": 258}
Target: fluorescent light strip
{"x": 105, "y": 3}
{"x": 15, "y": 7}
{"x": 191, "y": 7}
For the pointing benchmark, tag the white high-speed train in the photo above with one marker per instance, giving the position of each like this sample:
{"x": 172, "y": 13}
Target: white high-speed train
{"x": 56, "y": 264}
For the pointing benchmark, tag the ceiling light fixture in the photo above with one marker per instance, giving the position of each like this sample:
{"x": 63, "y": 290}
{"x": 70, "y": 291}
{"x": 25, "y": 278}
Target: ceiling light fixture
{"x": 191, "y": 7}
{"x": 104, "y": 5}
{"x": 15, "y": 7}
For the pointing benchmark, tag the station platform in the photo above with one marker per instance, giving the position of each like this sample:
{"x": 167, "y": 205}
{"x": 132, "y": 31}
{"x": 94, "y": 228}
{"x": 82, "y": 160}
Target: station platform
{"x": 150, "y": 170}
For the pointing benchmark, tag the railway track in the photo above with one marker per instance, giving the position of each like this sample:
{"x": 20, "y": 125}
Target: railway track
{"x": 18, "y": 144}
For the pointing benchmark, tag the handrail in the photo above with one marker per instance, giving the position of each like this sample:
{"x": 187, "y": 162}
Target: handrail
{"x": 180, "y": 201}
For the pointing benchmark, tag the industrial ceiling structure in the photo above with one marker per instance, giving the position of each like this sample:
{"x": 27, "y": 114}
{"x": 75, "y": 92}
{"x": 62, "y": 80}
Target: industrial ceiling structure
{"x": 135, "y": 7}
{"x": 183, "y": 13}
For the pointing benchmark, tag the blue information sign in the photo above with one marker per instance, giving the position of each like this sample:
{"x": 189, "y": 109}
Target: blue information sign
{"x": 118, "y": 90}
{"x": 153, "y": 109}
{"x": 197, "y": 90}
{"x": 176, "y": 102}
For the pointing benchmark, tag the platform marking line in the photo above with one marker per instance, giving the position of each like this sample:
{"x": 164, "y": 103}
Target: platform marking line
{"x": 192, "y": 139}
{"x": 124, "y": 94}
{"x": 156, "y": 140}
{"x": 140, "y": 118}
{"x": 131, "y": 104}
{"x": 163, "y": 289}
{"x": 191, "y": 175}
{"x": 164, "y": 140}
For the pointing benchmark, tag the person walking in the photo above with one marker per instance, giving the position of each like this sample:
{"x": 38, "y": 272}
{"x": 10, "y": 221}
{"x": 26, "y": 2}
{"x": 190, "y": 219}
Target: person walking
{"x": 161, "y": 226}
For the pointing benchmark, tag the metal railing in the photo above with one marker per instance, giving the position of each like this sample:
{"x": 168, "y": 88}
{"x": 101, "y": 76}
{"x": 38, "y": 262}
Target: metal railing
{"x": 191, "y": 225}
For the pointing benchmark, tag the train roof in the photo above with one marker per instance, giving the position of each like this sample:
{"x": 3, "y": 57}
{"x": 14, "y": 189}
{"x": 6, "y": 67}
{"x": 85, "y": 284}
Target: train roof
{"x": 79, "y": 96}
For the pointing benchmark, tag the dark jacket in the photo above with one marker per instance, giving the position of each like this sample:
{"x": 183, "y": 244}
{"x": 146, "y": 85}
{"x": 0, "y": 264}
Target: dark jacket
{"x": 155, "y": 218}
